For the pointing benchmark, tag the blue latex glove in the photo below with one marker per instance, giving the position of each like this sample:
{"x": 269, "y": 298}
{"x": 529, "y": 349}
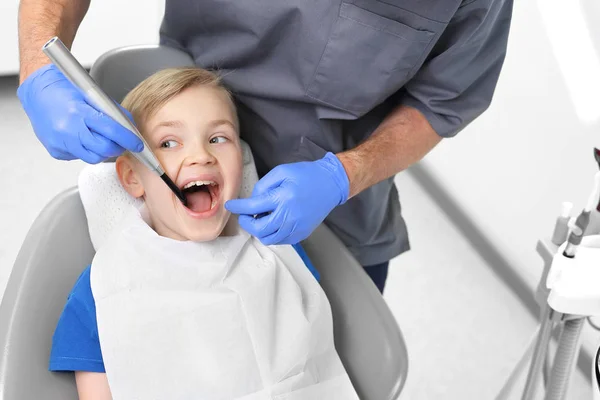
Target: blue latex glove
{"x": 297, "y": 196}
{"x": 69, "y": 127}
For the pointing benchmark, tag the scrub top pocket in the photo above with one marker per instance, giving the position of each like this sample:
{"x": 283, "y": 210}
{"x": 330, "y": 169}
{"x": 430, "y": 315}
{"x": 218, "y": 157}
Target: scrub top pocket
{"x": 367, "y": 58}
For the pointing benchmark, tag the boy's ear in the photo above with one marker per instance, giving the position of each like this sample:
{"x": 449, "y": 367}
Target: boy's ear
{"x": 129, "y": 177}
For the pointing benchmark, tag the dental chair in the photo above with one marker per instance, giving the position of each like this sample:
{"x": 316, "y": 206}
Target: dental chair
{"x": 58, "y": 248}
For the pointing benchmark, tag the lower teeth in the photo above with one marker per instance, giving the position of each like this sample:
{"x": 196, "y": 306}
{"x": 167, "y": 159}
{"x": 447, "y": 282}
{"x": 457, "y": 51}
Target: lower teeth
{"x": 212, "y": 205}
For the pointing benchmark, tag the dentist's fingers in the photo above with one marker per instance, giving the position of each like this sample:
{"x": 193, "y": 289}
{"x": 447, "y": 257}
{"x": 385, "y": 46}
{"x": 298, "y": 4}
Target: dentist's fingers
{"x": 253, "y": 205}
{"x": 111, "y": 130}
{"x": 270, "y": 229}
{"x": 275, "y": 238}
{"x": 258, "y": 227}
{"x": 100, "y": 145}
{"x": 79, "y": 151}
{"x": 61, "y": 155}
{"x": 281, "y": 232}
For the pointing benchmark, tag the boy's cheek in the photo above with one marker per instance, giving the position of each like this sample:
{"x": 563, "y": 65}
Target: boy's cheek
{"x": 171, "y": 168}
{"x": 235, "y": 172}
{"x": 154, "y": 186}
{"x": 170, "y": 162}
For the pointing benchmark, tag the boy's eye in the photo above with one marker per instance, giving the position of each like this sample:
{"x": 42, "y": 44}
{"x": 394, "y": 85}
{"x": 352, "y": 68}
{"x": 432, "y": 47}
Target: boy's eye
{"x": 218, "y": 139}
{"x": 168, "y": 144}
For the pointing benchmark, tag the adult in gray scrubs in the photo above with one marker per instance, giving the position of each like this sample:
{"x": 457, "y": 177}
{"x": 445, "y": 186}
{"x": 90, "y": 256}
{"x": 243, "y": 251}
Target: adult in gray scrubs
{"x": 335, "y": 98}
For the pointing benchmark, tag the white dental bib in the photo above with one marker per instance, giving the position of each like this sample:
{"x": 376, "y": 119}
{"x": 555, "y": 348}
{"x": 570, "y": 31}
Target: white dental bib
{"x": 226, "y": 319}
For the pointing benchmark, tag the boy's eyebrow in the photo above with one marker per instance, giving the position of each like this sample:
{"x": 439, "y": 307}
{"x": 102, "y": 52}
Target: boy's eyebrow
{"x": 168, "y": 124}
{"x": 215, "y": 123}
{"x": 179, "y": 124}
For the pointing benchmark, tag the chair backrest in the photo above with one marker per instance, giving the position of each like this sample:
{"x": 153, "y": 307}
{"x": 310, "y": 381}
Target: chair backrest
{"x": 57, "y": 248}
{"x": 118, "y": 71}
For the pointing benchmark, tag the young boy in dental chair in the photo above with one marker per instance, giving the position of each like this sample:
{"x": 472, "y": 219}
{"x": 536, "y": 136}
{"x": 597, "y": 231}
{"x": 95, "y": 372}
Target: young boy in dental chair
{"x": 179, "y": 303}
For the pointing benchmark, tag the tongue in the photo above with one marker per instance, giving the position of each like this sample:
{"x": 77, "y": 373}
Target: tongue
{"x": 199, "y": 201}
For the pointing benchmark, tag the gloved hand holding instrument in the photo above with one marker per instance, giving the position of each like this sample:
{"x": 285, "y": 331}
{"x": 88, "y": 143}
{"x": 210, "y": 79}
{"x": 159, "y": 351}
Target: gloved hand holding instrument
{"x": 67, "y": 109}
{"x": 68, "y": 126}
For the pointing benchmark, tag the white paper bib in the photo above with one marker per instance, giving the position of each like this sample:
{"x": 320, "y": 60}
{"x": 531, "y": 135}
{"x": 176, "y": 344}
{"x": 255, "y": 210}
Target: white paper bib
{"x": 227, "y": 319}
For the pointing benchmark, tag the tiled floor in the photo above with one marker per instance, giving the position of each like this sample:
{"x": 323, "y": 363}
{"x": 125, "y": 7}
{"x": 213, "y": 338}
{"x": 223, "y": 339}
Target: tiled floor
{"x": 464, "y": 328}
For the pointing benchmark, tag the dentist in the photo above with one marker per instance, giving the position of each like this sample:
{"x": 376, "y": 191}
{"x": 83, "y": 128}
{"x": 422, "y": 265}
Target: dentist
{"x": 334, "y": 97}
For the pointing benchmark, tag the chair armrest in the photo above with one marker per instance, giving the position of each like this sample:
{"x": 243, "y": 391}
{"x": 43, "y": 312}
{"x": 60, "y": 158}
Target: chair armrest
{"x": 367, "y": 336}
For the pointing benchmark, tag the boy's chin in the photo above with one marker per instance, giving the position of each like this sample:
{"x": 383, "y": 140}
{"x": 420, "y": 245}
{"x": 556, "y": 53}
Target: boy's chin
{"x": 206, "y": 234}
{"x": 202, "y": 236}
{"x": 202, "y": 239}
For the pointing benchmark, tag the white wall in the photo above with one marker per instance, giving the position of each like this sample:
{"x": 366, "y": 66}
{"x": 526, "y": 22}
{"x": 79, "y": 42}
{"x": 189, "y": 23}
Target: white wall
{"x": 108, "y": 24}
{"x": 533, "y": 149}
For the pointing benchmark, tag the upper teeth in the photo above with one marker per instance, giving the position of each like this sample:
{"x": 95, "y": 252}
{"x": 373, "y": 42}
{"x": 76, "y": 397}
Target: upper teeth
{"x": 199, "y": 183}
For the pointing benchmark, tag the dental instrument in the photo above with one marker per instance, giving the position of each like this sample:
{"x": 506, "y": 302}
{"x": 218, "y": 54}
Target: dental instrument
{"x": 58, "y": 53}
{"x": 561, "y": 228}
{"x": 582, "y": 221}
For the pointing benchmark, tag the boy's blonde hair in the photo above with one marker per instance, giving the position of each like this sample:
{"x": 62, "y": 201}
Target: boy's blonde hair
{"x": 156, "y": 90}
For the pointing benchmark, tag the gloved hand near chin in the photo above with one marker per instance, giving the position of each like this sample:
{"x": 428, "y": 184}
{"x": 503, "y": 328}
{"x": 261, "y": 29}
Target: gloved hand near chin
{"x": 297, "y": 196}
{"x": 67, "y": 125}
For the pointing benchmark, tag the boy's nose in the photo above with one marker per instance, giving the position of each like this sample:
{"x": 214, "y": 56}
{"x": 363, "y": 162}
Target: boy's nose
{"x": 199, "y": 154}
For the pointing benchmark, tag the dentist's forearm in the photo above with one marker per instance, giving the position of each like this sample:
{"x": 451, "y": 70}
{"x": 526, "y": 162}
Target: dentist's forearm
{"x": 401, "y": 140}
{"x": 40, "y": 20}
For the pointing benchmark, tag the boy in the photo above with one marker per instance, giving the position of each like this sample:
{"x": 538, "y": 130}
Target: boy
{"x": 189, "y": 121}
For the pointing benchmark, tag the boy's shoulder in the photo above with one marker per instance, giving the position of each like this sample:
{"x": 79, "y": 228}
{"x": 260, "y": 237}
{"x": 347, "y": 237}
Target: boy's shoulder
{"x": 75, "y": 343}
{"x": 82, "y": 292}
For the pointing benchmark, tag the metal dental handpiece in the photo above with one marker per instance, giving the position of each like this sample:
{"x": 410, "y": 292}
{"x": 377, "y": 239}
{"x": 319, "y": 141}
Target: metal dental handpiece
{"x": 582, "y": 221}
{"x": 58, "y": 53}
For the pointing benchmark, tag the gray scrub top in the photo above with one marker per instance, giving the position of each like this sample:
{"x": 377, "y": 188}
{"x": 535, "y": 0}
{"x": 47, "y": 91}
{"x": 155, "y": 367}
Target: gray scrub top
{"x": 312, "y": 76}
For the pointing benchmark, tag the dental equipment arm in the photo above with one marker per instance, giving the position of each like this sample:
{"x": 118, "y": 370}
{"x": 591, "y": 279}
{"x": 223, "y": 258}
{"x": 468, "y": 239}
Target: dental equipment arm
{"x": 62, "y": 58}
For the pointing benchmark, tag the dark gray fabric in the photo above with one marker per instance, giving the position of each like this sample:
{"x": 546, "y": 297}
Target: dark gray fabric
{"x": 312, "y": 76}
{"x": 458, "y": 80}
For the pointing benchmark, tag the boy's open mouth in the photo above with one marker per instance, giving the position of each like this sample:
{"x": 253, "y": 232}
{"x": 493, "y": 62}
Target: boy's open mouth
{"x": 201, "y": 196}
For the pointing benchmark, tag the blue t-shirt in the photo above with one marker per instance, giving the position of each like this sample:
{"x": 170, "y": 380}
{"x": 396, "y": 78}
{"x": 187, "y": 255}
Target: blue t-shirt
{"x": 75, "y": 345}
